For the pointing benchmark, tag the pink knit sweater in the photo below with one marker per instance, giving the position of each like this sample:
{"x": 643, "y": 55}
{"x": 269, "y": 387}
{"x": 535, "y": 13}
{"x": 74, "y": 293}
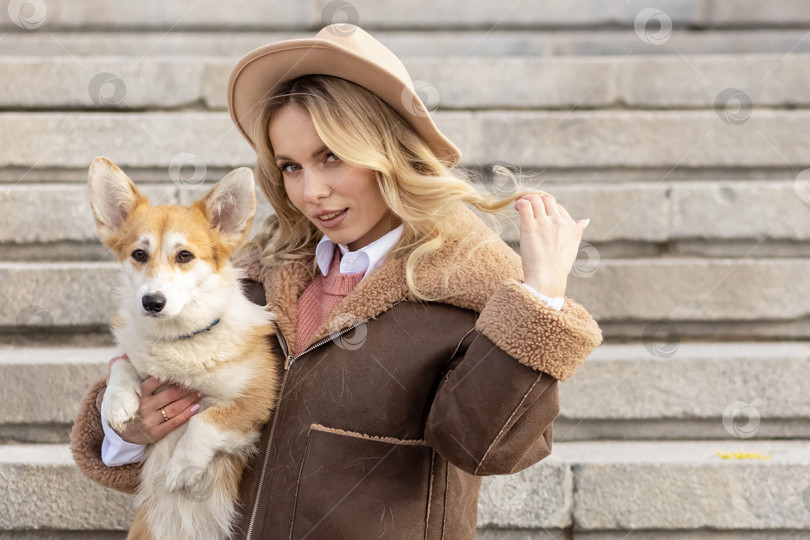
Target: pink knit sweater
{"x": 320, "y": 298}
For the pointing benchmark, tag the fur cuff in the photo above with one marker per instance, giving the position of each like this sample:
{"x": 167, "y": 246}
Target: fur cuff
{"x": 85, "y": 445}
{"x": 537, "y": 335}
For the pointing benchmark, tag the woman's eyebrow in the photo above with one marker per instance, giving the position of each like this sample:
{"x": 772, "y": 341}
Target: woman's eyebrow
{"x": 314, "y": 154}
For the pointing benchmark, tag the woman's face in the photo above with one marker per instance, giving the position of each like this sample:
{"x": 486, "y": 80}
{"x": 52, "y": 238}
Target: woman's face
{"x": 316, "y": 181}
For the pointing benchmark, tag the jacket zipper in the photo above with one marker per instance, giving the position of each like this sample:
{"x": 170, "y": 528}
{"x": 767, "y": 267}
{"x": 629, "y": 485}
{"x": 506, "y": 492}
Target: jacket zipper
{"x": 288, "y": 362}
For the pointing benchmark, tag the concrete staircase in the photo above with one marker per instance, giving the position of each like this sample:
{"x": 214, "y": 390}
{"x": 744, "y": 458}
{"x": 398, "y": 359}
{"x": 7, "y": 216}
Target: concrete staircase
{"x": 681, "y": 132}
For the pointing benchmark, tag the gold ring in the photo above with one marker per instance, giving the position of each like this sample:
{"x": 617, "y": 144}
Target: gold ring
{"x": 165, "y": 418}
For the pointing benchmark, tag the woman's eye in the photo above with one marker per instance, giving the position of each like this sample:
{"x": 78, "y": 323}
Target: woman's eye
{"x": 284, "y": 166}
{"x": 184, "y": 256}
{"x": 139, "y": 255}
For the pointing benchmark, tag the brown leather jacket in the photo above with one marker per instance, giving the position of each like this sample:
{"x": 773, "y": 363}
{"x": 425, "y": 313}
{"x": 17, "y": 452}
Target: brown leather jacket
{"x": 389, "y": 418}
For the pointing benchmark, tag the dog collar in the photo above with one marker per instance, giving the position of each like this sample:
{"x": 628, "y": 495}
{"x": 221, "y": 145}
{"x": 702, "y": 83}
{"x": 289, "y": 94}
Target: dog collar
{"x": 209, "y": 327}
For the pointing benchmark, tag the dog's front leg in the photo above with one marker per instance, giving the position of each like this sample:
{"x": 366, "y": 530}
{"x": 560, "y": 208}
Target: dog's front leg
{"x": 188, "y": 469}
{"x": 122, "y": 397}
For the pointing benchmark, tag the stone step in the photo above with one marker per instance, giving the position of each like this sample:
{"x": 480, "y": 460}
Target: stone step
{"x": 412, "y": 43}
{"x": 681, "y": 291}
{"x": 42, "y": 388}
{"x": 51, "y": 222}
{"x": 44, "y": 490}
{"x": 663, "y": 388}
{"x": 92, "y": 15}
{"x": 697, "y": 297}
{"x": 34, "y": 144}
{"x": 649, "y": 488}
{"x": 656, "y": 389}
{"x": 639, "y": 82}
{"x": 668, "y": 487}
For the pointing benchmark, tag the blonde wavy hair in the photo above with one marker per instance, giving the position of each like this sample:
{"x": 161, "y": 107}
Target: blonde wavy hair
{"x": 366, "y": 132}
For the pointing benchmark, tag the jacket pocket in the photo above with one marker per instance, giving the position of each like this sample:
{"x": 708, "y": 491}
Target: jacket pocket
{"x": 353, "y": 485}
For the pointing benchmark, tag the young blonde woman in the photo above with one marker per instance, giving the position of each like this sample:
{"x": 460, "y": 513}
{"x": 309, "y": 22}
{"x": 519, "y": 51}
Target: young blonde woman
{"x": 420, "y": 351}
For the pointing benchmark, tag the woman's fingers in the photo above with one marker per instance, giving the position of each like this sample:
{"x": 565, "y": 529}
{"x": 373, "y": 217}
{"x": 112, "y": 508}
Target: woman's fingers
{"x": 178, "y": 406}
{"x": 177, "y": 413}
{"x": 538, "y": 206}
{"x": 525, "y": 209}
{"x": 166, "y": 397}
{"x": 550, "y": 204}
{"x": 150, "y": 425}
{"x": 542, "y": 204}
{"x": 174, "y": 401}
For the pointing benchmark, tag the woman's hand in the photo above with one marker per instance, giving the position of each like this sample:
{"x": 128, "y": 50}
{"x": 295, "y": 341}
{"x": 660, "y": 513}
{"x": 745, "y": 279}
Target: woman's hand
{"x": 149, "y": 426}
{"x": 549, "y": 242}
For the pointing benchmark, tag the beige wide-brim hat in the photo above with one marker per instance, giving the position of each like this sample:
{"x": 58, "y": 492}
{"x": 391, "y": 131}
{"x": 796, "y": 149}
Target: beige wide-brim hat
{"x": 341, "y": 50}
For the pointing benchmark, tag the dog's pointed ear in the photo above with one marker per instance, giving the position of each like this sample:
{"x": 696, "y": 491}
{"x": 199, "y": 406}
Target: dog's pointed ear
{"x": 230, "y": 206}
{"x": 113, "y": 197}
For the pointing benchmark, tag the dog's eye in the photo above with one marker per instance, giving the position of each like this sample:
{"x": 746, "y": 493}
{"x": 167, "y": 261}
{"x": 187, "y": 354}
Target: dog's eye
{"x": 139, "y": 255}
{"x": 184, "y": 256}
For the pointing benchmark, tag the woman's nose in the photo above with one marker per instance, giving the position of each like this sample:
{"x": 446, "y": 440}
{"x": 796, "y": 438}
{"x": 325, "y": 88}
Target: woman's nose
{"x": 316, "y": 187}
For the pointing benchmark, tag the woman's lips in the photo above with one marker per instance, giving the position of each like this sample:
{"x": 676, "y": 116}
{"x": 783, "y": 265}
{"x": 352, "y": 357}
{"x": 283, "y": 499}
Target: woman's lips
{"x": 335, "y": 221}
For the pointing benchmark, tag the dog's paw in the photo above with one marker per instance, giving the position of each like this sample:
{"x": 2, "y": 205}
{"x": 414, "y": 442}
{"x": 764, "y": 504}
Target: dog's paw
{"x": 189, "y": 479}
{"x": 120, "y": 407}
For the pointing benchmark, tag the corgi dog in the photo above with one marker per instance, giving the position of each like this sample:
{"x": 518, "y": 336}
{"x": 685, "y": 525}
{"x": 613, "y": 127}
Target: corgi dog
{"x": 184, "y": 319}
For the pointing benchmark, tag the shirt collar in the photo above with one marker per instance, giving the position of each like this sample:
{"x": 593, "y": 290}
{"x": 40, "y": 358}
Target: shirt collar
{"x": 365, "y": 259}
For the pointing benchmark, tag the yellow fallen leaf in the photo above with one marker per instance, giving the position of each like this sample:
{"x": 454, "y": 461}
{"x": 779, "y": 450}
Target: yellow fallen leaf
{"x": 741, "y": 454}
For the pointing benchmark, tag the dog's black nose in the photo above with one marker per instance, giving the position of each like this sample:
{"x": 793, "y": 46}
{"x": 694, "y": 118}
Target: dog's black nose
{"x": 153, "y": 302}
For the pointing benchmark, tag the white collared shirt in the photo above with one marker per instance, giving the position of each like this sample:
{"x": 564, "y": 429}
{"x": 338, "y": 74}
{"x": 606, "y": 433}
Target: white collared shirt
{"x": 365, "y": 259}
{"x": 116, "y": 451}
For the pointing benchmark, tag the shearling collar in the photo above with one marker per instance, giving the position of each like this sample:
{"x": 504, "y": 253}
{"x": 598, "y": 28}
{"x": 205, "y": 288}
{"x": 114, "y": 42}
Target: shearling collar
{"x": 470, "y": 282}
